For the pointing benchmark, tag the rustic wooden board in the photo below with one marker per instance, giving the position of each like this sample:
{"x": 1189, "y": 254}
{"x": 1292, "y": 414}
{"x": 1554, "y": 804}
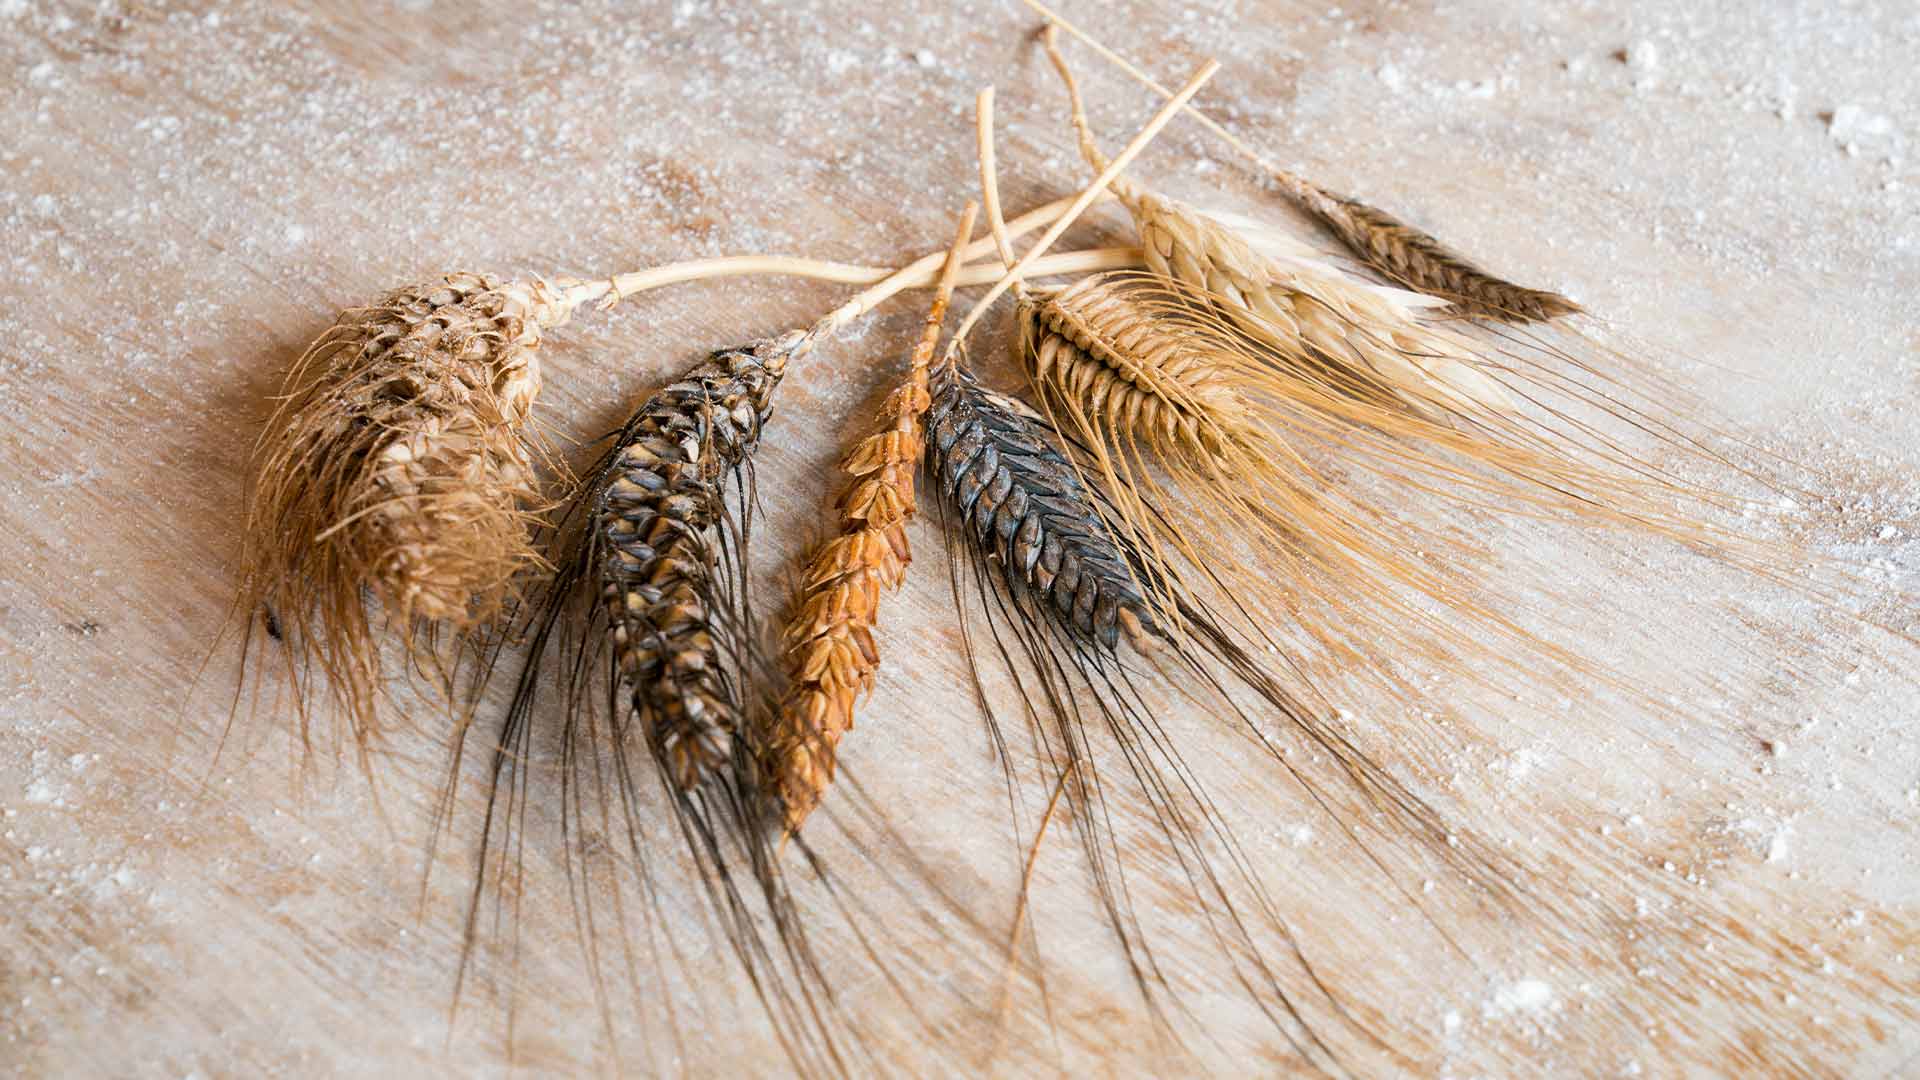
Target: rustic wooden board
{"x": 188, "y": 191}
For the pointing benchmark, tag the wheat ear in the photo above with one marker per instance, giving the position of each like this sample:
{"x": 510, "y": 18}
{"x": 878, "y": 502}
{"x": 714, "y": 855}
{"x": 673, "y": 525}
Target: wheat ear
{"x": 655, "y": 516}
{"x": 1280, "y": 292}
{"x": 1391, "y": 247}
{"x": 1174, "y": 411}
{"x": 399, "y": 459}
{"x": 830, "y": 651}
{"x": 1022, "y": 499}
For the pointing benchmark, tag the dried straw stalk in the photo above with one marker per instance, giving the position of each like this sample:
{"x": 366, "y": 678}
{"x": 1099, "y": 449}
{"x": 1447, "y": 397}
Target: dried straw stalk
{"x": 1391, "y": 247}
{"x": 830, "y": 650}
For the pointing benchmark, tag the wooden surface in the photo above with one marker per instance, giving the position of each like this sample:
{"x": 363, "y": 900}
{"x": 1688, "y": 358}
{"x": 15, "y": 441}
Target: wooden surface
{"x": 189, "y": 191}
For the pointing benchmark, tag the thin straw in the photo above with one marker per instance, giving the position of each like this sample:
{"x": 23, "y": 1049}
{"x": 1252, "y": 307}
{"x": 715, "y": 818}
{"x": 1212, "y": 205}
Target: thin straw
{"x": 1086, "y": 198}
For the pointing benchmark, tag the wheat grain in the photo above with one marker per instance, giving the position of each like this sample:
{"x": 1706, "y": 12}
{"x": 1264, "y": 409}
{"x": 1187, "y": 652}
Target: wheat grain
{"x": 400, "y": 459}
{"x": 831, "y": 654}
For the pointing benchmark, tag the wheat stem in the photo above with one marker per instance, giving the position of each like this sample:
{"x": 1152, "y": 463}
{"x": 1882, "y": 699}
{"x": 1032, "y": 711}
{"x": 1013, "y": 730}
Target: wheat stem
{"x": 1288, "y": 179}
{"x": 1086, "y": 198}
{"x": 990, "y": 176}
{"x": 918, "y": 274}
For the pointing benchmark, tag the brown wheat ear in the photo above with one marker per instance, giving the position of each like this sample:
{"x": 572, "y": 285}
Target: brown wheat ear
{"x": 1392, "y": 248}
{"x": 655, "y": 543}
{"x": 830, "y": 650}
{"x": 399, "y": 461}
{"x": 1415, "y": 259}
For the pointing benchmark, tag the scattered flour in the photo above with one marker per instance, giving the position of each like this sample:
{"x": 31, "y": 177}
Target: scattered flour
{"x": 1524, "y": 996}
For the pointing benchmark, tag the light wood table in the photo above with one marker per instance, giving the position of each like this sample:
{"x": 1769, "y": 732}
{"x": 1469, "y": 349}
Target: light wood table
{"x": 190, "y": 190}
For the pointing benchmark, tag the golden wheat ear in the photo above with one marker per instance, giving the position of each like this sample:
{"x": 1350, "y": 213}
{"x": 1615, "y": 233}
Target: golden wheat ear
{"x": 1390, "y": 247}
{"x": 830, "y": 649}
{"x": 400, "y": 462}
{"x": 1531, "y": 410}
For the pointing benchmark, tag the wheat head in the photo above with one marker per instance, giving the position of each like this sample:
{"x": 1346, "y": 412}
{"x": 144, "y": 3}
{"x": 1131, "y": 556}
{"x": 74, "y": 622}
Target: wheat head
{"x": 656, "y": 520}
{"x": 830, "y": 651}
{"x": 400, "y": 461}
{"x": 996, "y": 464}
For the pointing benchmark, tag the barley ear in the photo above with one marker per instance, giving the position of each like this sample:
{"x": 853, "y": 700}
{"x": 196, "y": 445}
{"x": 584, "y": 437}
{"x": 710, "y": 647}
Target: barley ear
{"x": 400, "y": 462}
{"x": 830, "y": 650}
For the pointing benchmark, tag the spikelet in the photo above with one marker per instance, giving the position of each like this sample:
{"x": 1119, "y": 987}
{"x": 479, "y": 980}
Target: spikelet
{"x": 830, "y": 650}
{"x": 399, "y": 461}
{"x": 1392, "y": 248}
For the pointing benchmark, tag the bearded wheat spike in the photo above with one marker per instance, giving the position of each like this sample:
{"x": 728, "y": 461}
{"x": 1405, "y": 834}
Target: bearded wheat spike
{"x": 1391, "y": 247}
{"x": 831, "y": 654}
{"x": 1023, "y": 499}
{"x": 399, "y": 459}
{"x": 655, "y": 516}
{"x": 1205, "y": 449}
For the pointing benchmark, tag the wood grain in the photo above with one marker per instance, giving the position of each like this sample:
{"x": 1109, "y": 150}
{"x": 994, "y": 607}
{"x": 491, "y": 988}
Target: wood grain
{"x": 190, "y": 191}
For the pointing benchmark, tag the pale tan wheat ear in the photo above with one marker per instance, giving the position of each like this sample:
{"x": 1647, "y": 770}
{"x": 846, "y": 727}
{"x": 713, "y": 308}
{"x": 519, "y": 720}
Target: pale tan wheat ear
{"x": 1213, "y": 457}
{"x": 1303, "y": 307}
{"x": 1389, "y": 246}
{"x": 830, "y": 650}
{"x": 399, "y": 462}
